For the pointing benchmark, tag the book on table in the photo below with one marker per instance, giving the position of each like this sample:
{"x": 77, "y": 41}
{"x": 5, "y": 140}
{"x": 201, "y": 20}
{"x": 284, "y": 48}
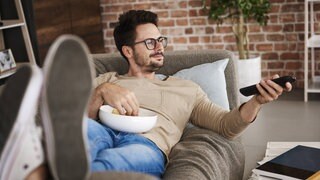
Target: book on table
{"x": 300, "y": 162}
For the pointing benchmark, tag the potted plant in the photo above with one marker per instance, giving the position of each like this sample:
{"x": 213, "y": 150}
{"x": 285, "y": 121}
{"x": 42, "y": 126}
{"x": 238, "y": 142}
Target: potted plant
{"x": 240, "y": 13}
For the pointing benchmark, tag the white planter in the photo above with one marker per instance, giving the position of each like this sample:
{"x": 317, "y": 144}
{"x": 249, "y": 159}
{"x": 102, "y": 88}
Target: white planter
{"x": 249, "y": 73}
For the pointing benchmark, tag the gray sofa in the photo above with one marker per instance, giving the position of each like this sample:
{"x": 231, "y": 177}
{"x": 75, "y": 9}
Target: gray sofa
{"x": 200, "y": 154}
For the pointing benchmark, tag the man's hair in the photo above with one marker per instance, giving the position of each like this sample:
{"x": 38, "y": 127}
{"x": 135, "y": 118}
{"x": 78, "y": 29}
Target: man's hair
{"x": 125, "y": 31}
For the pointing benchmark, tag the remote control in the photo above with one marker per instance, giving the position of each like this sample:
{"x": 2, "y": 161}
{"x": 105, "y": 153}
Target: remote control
{"x": 251, "y": 90}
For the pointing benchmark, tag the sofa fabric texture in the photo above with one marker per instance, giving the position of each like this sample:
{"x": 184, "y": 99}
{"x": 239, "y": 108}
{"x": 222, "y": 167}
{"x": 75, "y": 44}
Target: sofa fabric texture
{"x": 200, "y": 154}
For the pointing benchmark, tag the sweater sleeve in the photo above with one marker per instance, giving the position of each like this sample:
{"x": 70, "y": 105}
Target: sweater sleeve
{"x": 211, "y": 116}
{"x": 102, "y": 78}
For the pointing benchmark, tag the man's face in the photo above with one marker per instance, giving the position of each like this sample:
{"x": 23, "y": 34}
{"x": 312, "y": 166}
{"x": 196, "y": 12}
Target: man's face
{"x": 148, "y": 60}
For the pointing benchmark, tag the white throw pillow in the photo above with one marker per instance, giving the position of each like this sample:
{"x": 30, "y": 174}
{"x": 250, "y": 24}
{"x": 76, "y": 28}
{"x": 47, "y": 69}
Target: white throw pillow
{"x": 210, "y": 77}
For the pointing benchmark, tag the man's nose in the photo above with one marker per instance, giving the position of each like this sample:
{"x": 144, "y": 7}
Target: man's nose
{"x": 159, "y": 46}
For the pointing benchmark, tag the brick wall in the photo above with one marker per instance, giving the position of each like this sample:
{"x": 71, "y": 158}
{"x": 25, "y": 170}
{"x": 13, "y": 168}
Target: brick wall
{"x": 280, "y": 43}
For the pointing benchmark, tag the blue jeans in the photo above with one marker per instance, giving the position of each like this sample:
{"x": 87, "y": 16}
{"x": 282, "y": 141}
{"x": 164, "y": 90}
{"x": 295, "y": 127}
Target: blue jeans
{"x": 121, "y": 151}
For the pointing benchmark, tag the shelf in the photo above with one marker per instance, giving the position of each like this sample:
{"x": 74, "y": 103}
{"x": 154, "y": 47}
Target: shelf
{"x": 10, "y": 72}
{"x": 314, "y": 41}
{"x": 11, "y": 24}
{"x": 7, "y": 74}
{"x": 311, "y": 85}
{"x": 314, "y": 86}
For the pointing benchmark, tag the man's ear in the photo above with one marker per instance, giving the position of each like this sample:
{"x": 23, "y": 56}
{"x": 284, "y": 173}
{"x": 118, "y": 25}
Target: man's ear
{"x": 127, "y": 51}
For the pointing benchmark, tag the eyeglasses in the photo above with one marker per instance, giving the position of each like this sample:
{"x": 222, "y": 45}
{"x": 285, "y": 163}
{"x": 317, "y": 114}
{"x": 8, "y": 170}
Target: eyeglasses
{"x": 151, "y": 43}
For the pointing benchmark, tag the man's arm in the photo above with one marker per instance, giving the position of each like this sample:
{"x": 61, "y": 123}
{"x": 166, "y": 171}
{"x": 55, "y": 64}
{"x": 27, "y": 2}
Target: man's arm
{"x": 269, "y": 91}
{"x": 116, "y": 96}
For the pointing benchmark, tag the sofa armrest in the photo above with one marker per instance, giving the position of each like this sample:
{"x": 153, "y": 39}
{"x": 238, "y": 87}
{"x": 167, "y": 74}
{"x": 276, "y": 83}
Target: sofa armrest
{"x": 202, "y": 154}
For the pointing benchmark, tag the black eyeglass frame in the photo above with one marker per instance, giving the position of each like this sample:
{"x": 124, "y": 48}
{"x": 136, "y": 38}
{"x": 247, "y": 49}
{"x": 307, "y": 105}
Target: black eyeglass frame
{"x": 160, "y": 39}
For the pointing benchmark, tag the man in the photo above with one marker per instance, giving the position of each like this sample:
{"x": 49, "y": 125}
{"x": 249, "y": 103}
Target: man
{"x": 175, "y": 101}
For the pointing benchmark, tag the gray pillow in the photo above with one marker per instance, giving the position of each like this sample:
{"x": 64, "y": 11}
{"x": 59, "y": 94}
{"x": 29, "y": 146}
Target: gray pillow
{"x": 210, "y": 77}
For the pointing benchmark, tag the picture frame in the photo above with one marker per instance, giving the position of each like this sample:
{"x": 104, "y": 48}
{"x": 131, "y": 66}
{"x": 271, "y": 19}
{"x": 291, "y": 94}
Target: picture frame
{"x": 7, "y": 62}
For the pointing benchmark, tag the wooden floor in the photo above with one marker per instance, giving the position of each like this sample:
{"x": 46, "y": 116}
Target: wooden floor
{"x": 287, "y": 119}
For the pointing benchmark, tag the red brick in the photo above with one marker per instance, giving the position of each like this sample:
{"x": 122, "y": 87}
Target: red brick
{"x": 291, "y": 37}
{"x": 125, "y": 1}
{"x": 182, "y": 22}
{"x": 276, "y": 1}
{"x": 198, "y": 21}
{"x": 275, "y": 37}
{"x": 193, "y": 13}
{"x": 287, "y": 18}
{"x": 293, "y": 65}
{"x": 270, "y": 56}
{"x": 288, "y": 28}
{"x": 183, "y": 4}
{"x": 166, "y": 22}
{"x": 272, "y": 28}
{"x": 274, "y": 18}
{"x": 292, "y": 8}
{"x": 109, "y": 33}
{"x": 289, "y": 56}
{"x": 109, "y": 17}
{"x": 195, "y": 47}
{"x": 292, "y": 47}
{"x": 164, "y": 30}
{"x": 209, "y": 30}
{"x": 176, "y": 32}
{"x": 141, "y": 6}
{"x": 188, "y": 31}
{"x": 231, "y": 47}
{"x": 216, "y": 39}
{"x": 205, "y": 39}
{"x": 300, "y": 17}
{"x": 194, "y": 39}
{"x": 264, "y": 74}
{"x": 274, "y": 8}
{"x": 163, "y": 14}
{"x": 195, "y": 3}
{"x": 299, "y": 27}
{"x": 159, "y": 5}
{"x": 224, "y": 29}
{"x": 275, "y": 65}
{"x": 117, "y": 8}
{"x": 256, "y": 38}
{"x": 264, "y": 47}
{"x": 229, "y": 38}
{"x": 203, "y": 12}
{"x": 179, "y": 13}
{"x": 281, "y": 47}
{"x": 215, "y": 46}
{"x": 254, "y": 28}
{"x": 180, "y": 40}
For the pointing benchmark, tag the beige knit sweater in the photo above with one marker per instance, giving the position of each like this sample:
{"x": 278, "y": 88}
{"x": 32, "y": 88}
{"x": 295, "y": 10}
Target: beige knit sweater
{"x": 177, "y": 102}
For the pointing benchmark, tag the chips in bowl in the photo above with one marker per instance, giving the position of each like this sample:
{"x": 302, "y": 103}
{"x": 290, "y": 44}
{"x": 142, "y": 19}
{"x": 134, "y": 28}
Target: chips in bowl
{"x": 144, "y": 122}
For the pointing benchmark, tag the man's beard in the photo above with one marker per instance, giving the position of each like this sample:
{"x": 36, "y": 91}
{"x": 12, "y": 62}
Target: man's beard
{"x": 147, "y": 64}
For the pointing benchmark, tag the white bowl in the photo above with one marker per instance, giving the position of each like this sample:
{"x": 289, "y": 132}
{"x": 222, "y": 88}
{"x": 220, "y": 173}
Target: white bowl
{"x": 144, "y": 122}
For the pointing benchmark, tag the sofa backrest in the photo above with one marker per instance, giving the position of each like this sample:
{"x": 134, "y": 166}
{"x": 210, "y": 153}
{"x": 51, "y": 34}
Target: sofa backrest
{"x": 176, "y": 61}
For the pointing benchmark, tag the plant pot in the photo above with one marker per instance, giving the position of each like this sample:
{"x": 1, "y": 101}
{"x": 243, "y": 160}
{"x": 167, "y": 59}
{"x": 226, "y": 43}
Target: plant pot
{"x": 249, "y": 73}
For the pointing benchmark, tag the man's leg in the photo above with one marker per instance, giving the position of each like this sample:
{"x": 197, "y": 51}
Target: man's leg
{"x": 20, "y": 145}
{"x": 68, "y": 81}
{"x": 67, "y": 87}
{"x": 122, "y": 151}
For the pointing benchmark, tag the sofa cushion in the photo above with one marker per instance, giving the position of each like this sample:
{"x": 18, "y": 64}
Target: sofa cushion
{"x": 210, "y": 77}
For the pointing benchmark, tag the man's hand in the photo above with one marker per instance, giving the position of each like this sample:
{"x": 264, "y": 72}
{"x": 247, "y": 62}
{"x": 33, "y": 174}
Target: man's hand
{"x": 270, "y": 91}
{"x": 116, "y": 96}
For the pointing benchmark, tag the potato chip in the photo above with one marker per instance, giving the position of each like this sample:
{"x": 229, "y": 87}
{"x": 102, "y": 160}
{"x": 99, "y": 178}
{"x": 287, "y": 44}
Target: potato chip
{"x": 115, "y": 111}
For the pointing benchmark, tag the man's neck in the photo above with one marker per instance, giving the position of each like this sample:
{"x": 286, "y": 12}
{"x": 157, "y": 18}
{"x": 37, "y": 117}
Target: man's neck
{"x": 140, "y": 74}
